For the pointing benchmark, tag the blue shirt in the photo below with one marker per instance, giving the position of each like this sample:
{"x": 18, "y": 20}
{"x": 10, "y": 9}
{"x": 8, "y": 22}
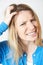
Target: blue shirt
{"x": 6, "y": 55}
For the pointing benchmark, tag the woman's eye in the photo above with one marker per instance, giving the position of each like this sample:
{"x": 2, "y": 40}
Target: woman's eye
{"x": 23, "y": 23}
{"x": 33, "y": 20}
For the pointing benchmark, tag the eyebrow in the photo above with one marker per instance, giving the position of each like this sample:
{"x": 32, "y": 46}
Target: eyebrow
{"x": 32, "y": 19}
{"x": 23, "y": 22}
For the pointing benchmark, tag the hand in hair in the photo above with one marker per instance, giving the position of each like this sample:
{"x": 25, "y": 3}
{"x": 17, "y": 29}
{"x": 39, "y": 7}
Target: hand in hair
{"x": 9, "y": 14}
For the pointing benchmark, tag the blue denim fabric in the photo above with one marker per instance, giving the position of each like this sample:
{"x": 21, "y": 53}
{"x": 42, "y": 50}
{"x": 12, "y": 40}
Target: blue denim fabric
{"x": 6, "y": 56}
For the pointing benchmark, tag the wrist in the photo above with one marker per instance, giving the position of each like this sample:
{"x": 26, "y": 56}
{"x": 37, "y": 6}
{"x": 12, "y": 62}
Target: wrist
{"x": 4, "y": 24}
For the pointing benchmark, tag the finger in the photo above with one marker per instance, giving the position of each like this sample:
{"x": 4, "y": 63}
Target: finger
{"x": 9, "y": 9}
{"x": 14, "y": 13}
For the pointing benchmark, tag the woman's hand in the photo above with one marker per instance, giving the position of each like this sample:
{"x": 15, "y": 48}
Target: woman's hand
{"x": 8, "y": 14}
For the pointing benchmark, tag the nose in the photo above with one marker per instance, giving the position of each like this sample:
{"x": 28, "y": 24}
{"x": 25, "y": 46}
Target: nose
{"x": 30, "y": 26}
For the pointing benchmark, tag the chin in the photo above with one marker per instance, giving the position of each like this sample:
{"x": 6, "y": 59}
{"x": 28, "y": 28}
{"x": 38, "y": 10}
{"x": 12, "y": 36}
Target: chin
{"x": 31, "y": 39}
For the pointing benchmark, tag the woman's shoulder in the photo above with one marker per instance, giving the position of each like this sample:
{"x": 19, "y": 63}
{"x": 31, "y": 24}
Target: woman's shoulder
{"x": 3, "y": 48}
{"x": 5, "y": 52}
{"x": 3, "y": 42}
{"x": 41, "y": 49}
{"x": 4, "y": 45}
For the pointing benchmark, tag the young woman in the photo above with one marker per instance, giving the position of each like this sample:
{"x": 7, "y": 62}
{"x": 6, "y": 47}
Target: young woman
{"x": 25, "y": 45}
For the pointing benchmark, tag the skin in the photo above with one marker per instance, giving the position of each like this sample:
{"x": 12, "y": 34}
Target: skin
{"x": 27, "y": 29}
{"x": 26, "y": 26}
{"x": 8, "y": 15}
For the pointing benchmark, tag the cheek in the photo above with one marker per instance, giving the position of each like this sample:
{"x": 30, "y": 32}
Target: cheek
{"x": 21, "y": 29}
{"x": 36, "y": 25}
{"x": 21, "y": 32}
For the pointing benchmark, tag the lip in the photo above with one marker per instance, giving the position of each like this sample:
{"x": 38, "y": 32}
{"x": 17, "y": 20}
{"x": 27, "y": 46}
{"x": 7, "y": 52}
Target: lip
{"x": 31, "y": 33}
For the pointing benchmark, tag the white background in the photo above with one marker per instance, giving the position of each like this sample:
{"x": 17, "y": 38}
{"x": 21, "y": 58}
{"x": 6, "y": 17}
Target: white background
{"x": 37, "y": 6}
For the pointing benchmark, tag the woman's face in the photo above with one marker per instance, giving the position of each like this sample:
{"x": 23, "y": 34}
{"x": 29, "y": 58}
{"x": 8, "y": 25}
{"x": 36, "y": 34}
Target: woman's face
{"x": 26, "y": 26}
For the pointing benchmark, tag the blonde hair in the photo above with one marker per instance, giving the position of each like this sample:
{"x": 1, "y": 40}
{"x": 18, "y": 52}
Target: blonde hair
{"x": 14, "y": 40}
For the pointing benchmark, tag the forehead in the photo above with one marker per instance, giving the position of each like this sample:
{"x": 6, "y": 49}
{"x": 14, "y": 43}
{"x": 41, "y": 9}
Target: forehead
{"x": 23, "y": 15}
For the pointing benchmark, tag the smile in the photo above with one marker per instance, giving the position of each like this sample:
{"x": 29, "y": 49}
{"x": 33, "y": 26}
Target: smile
{"x": 32, "y": 33}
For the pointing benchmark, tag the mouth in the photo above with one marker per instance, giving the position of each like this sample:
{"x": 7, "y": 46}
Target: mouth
{"x": 32, "y": 34}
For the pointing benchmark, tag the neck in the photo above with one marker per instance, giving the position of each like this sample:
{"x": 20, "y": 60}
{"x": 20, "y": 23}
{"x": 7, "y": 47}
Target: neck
{"x": 31, "y": 47}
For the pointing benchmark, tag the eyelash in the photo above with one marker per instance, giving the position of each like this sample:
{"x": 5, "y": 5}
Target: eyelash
{"x": 23, "y": 23}
{"x": 33, "y": 20}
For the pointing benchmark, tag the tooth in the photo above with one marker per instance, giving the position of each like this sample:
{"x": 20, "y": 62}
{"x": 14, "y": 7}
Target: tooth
{"x": 31, "y": 33}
